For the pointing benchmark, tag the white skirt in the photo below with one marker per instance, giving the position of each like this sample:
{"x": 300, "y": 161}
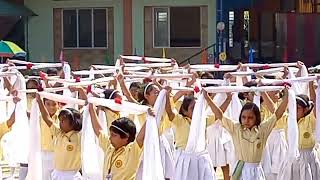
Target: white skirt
{"x": 166, "y": 159}
{"x": 47, "y": 164}
{"x": 220, "y": 145}
{"x": 274, "y": 153}
{"x": 305, "y": 167}
{"x": 65, "y": 175}
{"x": 196, "y": 166}
{"x": 252, "y": 171}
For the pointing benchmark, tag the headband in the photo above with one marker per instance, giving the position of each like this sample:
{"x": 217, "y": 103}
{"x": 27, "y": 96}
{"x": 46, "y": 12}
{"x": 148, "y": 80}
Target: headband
{"x": 302, "y": 100}
{"x": 145, "y": 89}
{"x": 118, "y": 128}
{"x": 113, "y": 92}
{"x": 70, "y": 112}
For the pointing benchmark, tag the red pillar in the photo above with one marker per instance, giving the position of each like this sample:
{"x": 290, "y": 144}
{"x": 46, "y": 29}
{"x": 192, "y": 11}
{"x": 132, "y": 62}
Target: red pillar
{"x": 127, "y": 27}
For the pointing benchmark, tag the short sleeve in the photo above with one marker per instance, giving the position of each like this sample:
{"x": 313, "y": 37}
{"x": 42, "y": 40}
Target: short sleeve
{"x": 177, "y": 120}
{"x": 55, "y": 130}
{"x": 4, "y": 128}
{"x": 267, "y": 125}
{"x": 229, "y": 124}
{"x": 210, "y": 120}
{"x": 104, "y": 141}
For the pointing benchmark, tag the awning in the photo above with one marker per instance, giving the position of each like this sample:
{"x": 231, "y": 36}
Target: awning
{"x": 12, "y": 9}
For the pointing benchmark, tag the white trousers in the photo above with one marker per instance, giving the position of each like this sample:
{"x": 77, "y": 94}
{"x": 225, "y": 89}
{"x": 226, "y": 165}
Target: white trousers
{"x": 65, "y": 175}
{"x": 252, "y": 171}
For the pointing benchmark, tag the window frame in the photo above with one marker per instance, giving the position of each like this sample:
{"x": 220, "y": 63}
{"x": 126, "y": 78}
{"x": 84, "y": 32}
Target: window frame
{"x": 169, "y": 26}
{"x": 77, "y": 27}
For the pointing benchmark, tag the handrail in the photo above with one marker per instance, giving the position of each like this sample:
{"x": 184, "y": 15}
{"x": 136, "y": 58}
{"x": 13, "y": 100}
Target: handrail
{"x": 196, "y": 54}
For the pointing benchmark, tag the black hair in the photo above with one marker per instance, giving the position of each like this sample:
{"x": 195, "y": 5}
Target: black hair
{"x": 304, "y": 102}
{"x": 185, "y": 104}
{"x": 126, "y": 125}
{"x": 135, "y": 85}
{"x": 108, "y": 92}
{"x": 253, "y": 83}
{"x": 143, "y": 99}
{"x": 206, "y": 75}
{"x": 255, "y": 109}
{"x": 33, "y": 80}
{"x": 74, "y": 117}
{"x": 52, "y": 71}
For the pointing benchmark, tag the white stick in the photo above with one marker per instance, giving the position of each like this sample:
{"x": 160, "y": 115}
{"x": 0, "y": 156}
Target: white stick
{"x": 61, "y": 98}
{"x": 150, "y": 59}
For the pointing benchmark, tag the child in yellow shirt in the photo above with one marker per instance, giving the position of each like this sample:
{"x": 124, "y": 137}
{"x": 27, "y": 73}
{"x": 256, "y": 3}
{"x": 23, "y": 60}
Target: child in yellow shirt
{"x": 122, "y": 150}
{"x": 67, "y": 147}
{"x": 47, "y": 140}
{"x": 249, "y": 136}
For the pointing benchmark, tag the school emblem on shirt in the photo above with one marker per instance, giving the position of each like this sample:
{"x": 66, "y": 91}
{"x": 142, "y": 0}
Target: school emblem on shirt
{"x": 118, "y": 163}
{"x": 306, "y": 135}
{"x": 258, "y": 145}
{"x": 69, "y": 147}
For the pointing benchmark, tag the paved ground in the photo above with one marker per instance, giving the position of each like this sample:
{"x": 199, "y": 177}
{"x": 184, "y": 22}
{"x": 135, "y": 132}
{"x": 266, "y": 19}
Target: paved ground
{"x": 7, "y": 172}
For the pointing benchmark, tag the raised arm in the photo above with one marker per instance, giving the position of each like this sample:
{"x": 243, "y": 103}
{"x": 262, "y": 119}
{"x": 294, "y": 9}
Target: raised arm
{"x": 268, "y": 102}
{"x": 226, "y": 103}
{"x": 169, "y": 110}
{"x": 43, "y": 110}
{"x": 283, "y": 106}
{"x": 95, "y": 120}
{"x": 179, "y": 94}
{"x": 215, "y": 109}
{"x": 142, "y": 132}
{"x": 313, "y": 96}
{"x": 12, "y": 118}
{"x": 125, "y": 90}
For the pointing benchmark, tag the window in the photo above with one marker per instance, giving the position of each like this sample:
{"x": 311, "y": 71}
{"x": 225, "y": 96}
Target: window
{"x": 177, "y": 27}
{"x": 246, "y": 28}
{"x": 85, "y": 28}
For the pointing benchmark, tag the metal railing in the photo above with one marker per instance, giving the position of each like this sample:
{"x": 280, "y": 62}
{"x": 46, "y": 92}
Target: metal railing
{"x": 199, "y": 53}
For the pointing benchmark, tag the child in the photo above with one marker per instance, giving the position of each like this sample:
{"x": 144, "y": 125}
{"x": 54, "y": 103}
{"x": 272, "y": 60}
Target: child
{"x": 67, "y": 161}
{"x": 249, "y": 136}
{"x": 122, "y": 150}
{"x": 47, "y": 138}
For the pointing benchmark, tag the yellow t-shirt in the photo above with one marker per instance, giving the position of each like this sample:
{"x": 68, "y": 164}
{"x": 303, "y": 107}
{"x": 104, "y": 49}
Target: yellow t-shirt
{"x": 182, "y": 125}
{"x": 67, "y": 149}
{"x": 266, "y": 113}
{"x": 249, "y": 143}
{"x": 4, "y": 129}
{"x": 124, "y": 162}
{"x": 46, "y": 136}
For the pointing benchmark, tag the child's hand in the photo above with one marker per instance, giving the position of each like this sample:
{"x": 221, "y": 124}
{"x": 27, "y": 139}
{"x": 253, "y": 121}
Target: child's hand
{"x": 14, "y": 92}
{"x": 300, "y": 64}
{"x": 227, "y": 76}
{"x": 120, "y": 77}
{"x": 74, "y": 88}
{"x": 151, "y": 112}
{"x": 205, "y": 93}
{"x": 168, "y": 89}
{"x": 38, "y": 98}
{"x": 16, "y": 99}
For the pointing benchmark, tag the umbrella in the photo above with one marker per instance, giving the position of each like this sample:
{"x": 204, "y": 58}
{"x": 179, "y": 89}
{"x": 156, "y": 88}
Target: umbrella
{"x": 9, "y": 49}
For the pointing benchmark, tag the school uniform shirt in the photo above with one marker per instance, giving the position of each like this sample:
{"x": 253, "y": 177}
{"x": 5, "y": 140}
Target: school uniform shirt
{"x": 67, "y": 149}
{"x": 266, "y": 113}
{"x": 123, "y": 163}
{"x": 306, "y": 126}
{"x": 182, "y": 125}
{"x": 4, "y": 128}
{"x": 249, "y": 143}
{"x": 46, "y": 136}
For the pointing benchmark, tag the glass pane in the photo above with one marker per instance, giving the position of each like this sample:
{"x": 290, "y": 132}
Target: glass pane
{"x": 69, "y": 28}
{"x": 185, "y": 28}
{"x": 100, "y": 28}
{"x": 85, "y": 28}
{"x": 161, "y": 34}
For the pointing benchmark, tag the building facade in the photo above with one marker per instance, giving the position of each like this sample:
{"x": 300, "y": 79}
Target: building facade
{"x": 98, "y": 31}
